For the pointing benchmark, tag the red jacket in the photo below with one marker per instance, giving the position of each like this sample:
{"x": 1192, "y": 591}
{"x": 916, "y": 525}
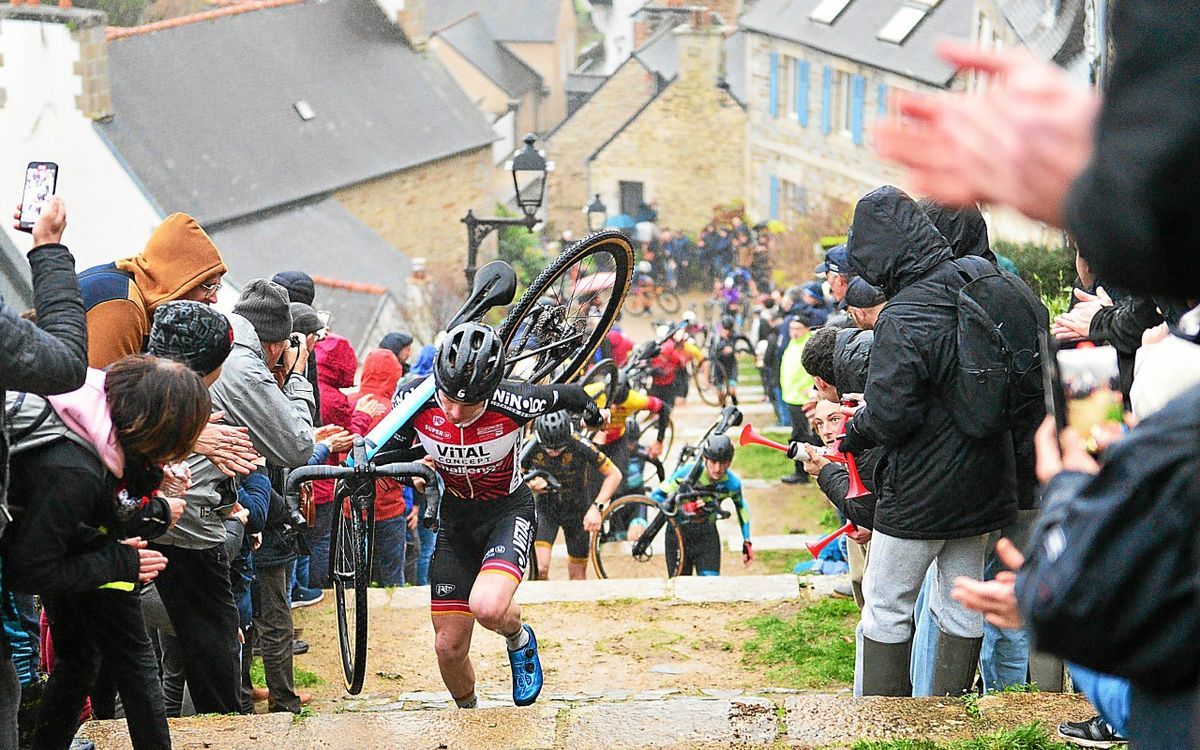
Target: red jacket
{"x": 380, "y": 373}
{"x": 336, "y": 365}
{"x": 668, "y": 360}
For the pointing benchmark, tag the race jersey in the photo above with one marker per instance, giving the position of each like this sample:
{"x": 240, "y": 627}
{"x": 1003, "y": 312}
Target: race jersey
{"x": 580, "y": 469}
{"x": 479, "y": 459}
{"x": 729, "y": 486}
{"x": 635, "y": 402}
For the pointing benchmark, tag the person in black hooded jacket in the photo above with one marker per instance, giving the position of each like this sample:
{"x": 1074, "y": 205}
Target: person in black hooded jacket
{"x": 45, "y": 358}
{"x": 940, "y": 492}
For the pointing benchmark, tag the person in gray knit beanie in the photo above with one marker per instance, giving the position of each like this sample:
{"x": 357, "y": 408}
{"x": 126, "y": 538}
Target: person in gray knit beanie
{"x": 266, "y": 305}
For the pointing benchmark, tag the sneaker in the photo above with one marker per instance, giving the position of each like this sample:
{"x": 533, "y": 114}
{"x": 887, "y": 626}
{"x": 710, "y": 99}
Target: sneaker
{"x": 1095, "y": 732}
{"x": 799, "y": 478}
{"x": 298, "y": 647}
{"x": 526, "y": 671}
{"x": 303, "y": 596}
{"x": 844, "y": 590}
{"x": 81, "y": 744}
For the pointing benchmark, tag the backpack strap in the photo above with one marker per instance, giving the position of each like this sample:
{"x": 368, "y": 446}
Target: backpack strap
{"x": 37, "y": 422}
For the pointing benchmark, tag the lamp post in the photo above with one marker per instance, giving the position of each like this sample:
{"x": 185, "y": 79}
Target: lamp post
{"x": 596, "y": 212}
{"x": 528, "y": 166}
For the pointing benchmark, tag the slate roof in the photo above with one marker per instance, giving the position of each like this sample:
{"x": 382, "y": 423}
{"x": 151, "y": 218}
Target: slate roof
{"x": 506, "y": 20}
{"x": 324, "y": 240}
{"x": 16, "y": 288}
{"x": 853, "y": 34}
{"x": 205, "y": 117}
{"x": 470, "y": 37}
{"x": 661, "y": 54}
{"x": 1060, "y": 40}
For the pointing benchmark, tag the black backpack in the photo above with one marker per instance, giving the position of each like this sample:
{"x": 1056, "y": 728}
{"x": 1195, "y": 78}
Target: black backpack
{"x": 998, "y": 386}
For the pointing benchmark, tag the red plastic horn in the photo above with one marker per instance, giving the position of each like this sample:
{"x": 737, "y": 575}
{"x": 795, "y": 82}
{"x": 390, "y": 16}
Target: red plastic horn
{"x": 816, "y": 547}
{"x": 751, "y": 436}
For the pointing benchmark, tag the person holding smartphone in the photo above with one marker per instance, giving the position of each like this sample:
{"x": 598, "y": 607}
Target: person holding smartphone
{"x": 46, "y": 358}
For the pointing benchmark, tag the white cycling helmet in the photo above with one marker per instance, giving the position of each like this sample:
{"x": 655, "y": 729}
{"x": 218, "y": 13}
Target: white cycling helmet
{"x": 689, "y": 316}
{"x": 644, "y": 267}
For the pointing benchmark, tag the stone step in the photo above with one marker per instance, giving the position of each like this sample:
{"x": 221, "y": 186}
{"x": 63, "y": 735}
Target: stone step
{"x": 656, "y": 719}
{"x": 687, "y": 588}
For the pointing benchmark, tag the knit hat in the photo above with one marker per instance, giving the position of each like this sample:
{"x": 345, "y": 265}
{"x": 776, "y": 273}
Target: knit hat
{"x": 191, "y": 333}
{"x": 265, "y": 304}
{"x": 396, "y": 341}
{"x": 298, "y": 284}
{"x": 304, "y": 319}
{"x": 861, "y": 294}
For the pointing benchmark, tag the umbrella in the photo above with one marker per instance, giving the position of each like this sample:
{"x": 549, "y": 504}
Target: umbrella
{"x": 595, "y": 283}
{"x": 620, "y": 221}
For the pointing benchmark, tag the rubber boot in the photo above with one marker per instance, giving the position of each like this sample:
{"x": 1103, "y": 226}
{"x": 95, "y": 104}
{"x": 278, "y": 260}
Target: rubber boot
{"x": 954, "y": 664}
{"x": 1046, "y": 672}
{"x": 885, "y": 668}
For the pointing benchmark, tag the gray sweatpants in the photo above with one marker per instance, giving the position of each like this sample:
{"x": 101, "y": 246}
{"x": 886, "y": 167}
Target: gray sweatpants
{"x": 894, "y": 577}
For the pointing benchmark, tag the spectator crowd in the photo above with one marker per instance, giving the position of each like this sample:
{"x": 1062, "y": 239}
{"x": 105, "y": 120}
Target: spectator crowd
{"x": 162, "y": 557}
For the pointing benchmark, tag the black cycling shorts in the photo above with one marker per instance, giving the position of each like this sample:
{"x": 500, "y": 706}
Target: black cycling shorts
{"x": 552, "y": 516}
{"x": 475, "y": 536}
{"x": 701, "y": 548}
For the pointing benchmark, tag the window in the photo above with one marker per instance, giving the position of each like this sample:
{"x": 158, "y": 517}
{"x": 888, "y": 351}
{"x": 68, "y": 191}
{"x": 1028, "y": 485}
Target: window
{"x": 793, "y": 202}
{"x": 840, "y": 113}
{"x": 827, "y": 11}
{"x": 789, "y": 88}
{"x": 906, "y": 18}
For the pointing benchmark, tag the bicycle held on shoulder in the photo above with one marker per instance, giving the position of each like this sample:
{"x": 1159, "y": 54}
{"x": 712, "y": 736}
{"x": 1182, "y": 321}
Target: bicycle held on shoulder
{"x": 549, "y": 335}
{"x": 615, "y": 555}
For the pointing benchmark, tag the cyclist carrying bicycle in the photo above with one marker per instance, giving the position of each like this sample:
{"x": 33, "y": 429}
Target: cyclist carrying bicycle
{"x": 698, "y": 516}
{"x": 470, "y": 431}
{"x": 722, "y": 351}
{"x": 588, "y": 480}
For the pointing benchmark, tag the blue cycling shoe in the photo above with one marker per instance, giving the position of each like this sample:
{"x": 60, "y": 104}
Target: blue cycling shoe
{"x": 526, "y": 671}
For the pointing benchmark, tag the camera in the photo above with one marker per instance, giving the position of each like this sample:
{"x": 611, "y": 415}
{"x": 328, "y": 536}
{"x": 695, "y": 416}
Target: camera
{"x": 294, "y": 341}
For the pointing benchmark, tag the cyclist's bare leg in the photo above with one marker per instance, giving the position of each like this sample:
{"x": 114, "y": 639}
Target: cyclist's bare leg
{"x": 492, "y": 602}
{"x": 577, "y": 568}
{"x": 543, "y": 560}
{"x": 452, "y": 643}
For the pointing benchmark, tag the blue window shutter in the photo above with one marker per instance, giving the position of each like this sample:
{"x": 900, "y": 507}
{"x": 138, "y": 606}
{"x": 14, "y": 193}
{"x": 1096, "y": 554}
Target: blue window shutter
{"x": 882, "y": 104}
{"x": 774, "y": 212}
{"x": 773, "y": 96}
{"x": 827, "y": 100}
{"x": 858, "y": 92}
{"x": 802, "y": 93}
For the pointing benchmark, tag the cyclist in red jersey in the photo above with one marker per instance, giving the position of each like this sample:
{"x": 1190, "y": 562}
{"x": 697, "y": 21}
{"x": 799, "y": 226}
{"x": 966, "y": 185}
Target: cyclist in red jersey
{"x": 471, "y": 432}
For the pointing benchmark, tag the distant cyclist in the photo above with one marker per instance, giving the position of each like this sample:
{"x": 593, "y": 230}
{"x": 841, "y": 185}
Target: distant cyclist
{"x": 697, "y": 516}
{"x": 588, "y": 482}
{"x": 470, "y": 430}
{"x": 722, "y": 350}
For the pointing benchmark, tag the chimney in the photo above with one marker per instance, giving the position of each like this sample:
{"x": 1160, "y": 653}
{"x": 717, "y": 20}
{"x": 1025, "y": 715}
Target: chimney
{"x": 80, "y": 37}
{"x": 699, "y": 45}
{"x": 412, "y": 18}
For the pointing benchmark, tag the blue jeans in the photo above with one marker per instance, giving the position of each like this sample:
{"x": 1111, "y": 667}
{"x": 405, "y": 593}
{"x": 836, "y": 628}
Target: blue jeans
{"x": 781, "y": 412}
{"x": 389, "y": 551}
{"x": 924, "y": 648}
{"x": 428, "y": 542}
{"x": 318, "y": 545}
{"x": 1110, "y": 695}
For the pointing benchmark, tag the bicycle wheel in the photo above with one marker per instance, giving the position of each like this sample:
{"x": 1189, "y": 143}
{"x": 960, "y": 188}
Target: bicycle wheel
{"x": 605, "y": 372}
{"x": 742, "y": 345}
{"x": 710, "y": 382}
{"x": 649, "y": 423}
{"x": 351, "y": 548}
{"x": 614, "y": 556}
{"x": 560, "y": 320}
{"x": 669, "y": 302}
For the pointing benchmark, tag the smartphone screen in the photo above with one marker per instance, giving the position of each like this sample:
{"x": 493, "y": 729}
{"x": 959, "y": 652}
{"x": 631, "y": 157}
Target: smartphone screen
{"x": 1086, "y": 392}
{"x": 41, "y": 181}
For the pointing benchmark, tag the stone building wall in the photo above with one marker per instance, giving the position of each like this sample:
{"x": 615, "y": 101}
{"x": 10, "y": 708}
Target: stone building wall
{"x": 419, "y": 210}
{"x": 687, "y": 147}
{"x": 573, "y": 142}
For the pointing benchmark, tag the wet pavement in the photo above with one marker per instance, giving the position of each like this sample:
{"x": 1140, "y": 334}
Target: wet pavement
{"x": 586, "y": 721}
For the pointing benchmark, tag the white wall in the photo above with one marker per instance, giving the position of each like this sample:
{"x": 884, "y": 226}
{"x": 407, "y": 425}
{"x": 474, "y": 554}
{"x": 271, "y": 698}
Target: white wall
{"x": 616, "y": 24}
{"x": 107, "y": 215}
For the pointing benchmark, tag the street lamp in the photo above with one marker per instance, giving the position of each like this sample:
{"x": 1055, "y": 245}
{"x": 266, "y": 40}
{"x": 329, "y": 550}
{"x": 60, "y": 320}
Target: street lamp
{"x": 529, "y": 168}
{"x": 597, "y": 213}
